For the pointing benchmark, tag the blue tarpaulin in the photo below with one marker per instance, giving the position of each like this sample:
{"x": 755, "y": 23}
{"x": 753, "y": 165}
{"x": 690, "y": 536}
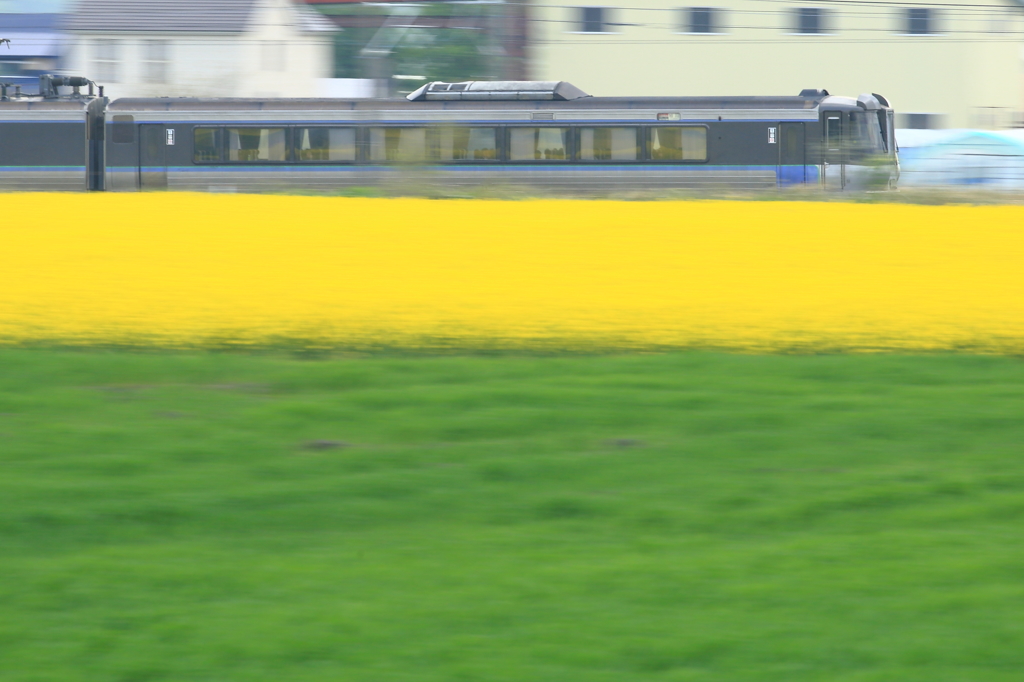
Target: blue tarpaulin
{"x": 980, "y": 158}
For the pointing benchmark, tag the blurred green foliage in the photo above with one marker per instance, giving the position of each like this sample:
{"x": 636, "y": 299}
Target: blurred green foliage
{"x": 448, "y": 55}
{"x": 347, "y": 44}
{"x": 664, "y": 517}
{"x": 454, "y": 53}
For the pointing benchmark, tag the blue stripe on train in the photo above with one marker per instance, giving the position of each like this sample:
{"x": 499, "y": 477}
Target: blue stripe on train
{"x": 796, "y": 175}
{"x": 786, "y": 175}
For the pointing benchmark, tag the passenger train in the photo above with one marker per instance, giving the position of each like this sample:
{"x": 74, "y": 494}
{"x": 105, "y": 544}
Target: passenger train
{"x": 515, "y": 133}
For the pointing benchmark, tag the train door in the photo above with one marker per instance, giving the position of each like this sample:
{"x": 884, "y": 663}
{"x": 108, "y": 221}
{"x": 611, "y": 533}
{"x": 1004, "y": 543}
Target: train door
{"x": 792, "y": 154}
{"x": 833, "y": 174}
{"x": 153, "y": 142}
{"x": 95, "y": 165}
{"x": 96, "y": 150}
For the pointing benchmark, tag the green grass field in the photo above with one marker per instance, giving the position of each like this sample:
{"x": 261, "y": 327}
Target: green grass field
{"x": 564, "y": 519}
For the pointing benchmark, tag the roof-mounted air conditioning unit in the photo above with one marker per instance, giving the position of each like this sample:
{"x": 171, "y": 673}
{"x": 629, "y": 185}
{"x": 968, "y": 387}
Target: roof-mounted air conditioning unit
{"x": 498, "y": 90}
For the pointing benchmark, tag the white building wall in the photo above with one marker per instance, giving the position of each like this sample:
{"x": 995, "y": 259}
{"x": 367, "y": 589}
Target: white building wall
{"x": 972, "y": 63}
{"x": 273, "y": 58}
{"x": 282, "y": 60}
{"x": 196, "y": 66}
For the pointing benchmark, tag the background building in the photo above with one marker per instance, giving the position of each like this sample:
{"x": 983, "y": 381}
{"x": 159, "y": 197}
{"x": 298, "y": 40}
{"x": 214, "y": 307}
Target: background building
{"x": 211, "y": 48}
{"x": 35, "y": 48}
{"x": 34, "y": 6}
{"x": 954, "y": 64}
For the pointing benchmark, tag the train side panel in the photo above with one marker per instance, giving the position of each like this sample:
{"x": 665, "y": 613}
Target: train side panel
{"x": 44, "y": 148}
{"x": 742, "y": 153}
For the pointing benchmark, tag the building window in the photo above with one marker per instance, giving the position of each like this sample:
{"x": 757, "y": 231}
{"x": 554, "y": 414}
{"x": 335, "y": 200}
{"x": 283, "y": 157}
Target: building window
{"x": 920, "y": 121}
{"x": 274, "y": 55}
{"x": 593, "y": 20}
{"x": 107, "y": 60}
{"x": 810, "y": 20}
{"x": 920, "y": 21}
{"x": 701, "y": 20}
{"x": 155, "y": 61}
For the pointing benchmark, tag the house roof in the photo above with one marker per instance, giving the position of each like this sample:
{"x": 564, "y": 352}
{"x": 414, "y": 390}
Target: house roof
{"x": 31, "y": 35}
{"x": 175, "y": 16}
{"x": 28, "y": 23}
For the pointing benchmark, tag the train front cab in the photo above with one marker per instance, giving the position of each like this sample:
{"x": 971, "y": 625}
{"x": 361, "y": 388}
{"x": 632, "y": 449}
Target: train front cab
{"x": 858, "y": 148}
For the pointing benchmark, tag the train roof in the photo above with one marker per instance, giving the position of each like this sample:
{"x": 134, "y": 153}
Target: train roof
{"x": 62, "y": 104}
{"x": 586, "y": 103}
{"x": 505, "y": 96}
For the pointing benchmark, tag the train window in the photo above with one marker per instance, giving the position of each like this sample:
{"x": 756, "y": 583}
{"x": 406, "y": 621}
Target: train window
{"x": 608, "y": 144}
{"x": 325, "y": 144}
{"x": 834, "y": 132}
{"x": 206, "y": 144}
{"x": 398, "y": 145}
{"x": 124, "y": 130}
{"x": 253, "y": 145}
{"x": 866, "y": 132}
{"x": 538, "y": 144}
{"x": 678, "y": 143}
{"x": 791, "y": 141}
{"x": 463, "y": 144}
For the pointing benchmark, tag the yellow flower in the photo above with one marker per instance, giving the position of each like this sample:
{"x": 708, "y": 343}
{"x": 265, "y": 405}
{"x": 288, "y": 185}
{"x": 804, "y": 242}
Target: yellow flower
{"x": 194, "y": 269}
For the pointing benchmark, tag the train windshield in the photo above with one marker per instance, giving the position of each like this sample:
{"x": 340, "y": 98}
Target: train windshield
{"x": 866, "y": 132}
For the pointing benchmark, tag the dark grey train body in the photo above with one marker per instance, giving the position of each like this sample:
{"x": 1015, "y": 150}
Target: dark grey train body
{"x": 51, "y": 145}
{"x": 549, "y": 135}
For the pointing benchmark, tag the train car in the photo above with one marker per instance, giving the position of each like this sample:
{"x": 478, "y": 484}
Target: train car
{"x": 513, "y": 133}
{"x": 52, "y": 142}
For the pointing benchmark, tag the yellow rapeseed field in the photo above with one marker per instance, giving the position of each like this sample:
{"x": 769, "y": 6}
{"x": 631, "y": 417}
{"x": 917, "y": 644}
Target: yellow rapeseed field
{"x": 190, "y": 269}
